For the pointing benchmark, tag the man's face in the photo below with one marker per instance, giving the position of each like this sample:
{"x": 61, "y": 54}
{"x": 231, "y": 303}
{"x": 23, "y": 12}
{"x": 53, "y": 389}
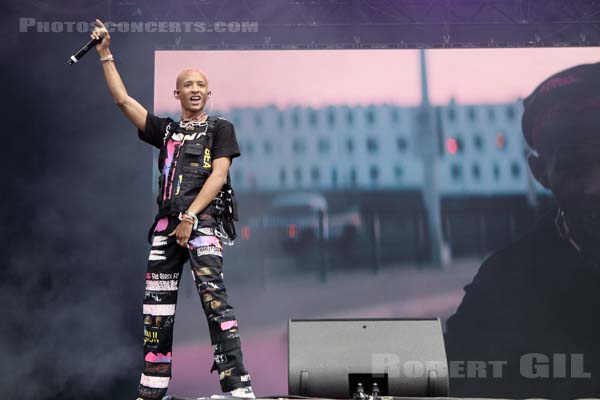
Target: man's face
{"x": 571, "y": 162}
{"x": 192, "y": 90}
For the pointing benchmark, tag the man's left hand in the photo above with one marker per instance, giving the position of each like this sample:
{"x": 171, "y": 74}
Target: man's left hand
{"x": 182, "y": 233}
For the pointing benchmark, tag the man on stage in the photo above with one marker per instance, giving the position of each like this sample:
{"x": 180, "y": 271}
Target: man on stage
{"x": 532, "y": 307}
{"x": 195, "y": 217}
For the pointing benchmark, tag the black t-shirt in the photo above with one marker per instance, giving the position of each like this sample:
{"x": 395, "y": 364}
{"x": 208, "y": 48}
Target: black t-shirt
{"x": 536, "y": 296}
{"x": 224, "y": 139}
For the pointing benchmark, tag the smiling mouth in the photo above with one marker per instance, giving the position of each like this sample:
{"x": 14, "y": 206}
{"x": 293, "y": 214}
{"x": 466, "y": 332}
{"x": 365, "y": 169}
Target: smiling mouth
{"x": 195, "y": 98}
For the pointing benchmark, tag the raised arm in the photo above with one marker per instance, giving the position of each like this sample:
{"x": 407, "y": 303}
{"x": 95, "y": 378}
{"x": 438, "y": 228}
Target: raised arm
{"x": 132, "y": 109}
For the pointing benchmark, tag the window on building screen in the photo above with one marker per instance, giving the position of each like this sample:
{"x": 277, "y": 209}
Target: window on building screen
{"x": 353, "y": 177}
{"x": 298, "y": 175}
{"x": 312, "y": 117}
{"x": 334, "y": 177}
{"x": 323, "y": 145}
{"x": 471, "y": 113}
{"x": 349, "y": 117}
{"x": 298, "y": 146}
{"x": 451, "y": 114}
{"x": 350, "y": 145}
{"x": 401, "y": 144}
{"x": 515, "y": 170}
{"x": 500, "y": 140}
{"x": 460, "y": 144}
{"x": 510, "y": 112}
{"x": 398, "y": 172}
{"x": 395, "y": 115}
{"x": 374, "y": 173}
{"x": 496, "y": 171}
{"x": 370, "y": 116}
{"x": 478, "y": 142}
{"x": 476, "y": 171}
{"x": 295, "y": 118}
{"x": 315, "y": 174}
{"x": 454, "y": 145}
{"x": 372, "y": 145}
{"x": 280, "y": 121}
{"x": 267, "y": 147}
{"x": 456, "y": 172}
{"x": 331, "y": 117}
{"x": 282, "y": 176}
{"x": 491, "y": 114}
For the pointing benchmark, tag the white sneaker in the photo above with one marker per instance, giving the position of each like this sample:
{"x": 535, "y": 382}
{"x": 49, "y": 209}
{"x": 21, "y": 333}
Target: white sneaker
{"x": 240, "y": 393}
{"x": 243, "y": 393}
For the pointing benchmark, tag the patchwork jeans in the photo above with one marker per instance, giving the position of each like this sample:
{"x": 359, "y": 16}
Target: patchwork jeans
{"x": 165, "y": 265}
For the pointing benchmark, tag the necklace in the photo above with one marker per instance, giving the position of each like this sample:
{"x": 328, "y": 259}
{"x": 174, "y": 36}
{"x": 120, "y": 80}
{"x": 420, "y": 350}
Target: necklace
{"x": 189, "y": 125}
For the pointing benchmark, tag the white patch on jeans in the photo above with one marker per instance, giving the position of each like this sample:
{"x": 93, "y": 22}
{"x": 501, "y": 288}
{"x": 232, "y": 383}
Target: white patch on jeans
{"x": 158, "y": 241}
{"x": 156, "y": 382}
{"x": 157, "y": 255}
{"x": 245, "y": 378}
{"x": 161, "y": 286}
{"x": 207, "y": 231}
{"x": 212, "y": 285}
{"x": 209, "y": 250}
{"x": 159, "y": 309}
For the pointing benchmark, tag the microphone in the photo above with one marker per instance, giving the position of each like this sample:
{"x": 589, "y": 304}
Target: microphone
{"x": 84, "y": 49}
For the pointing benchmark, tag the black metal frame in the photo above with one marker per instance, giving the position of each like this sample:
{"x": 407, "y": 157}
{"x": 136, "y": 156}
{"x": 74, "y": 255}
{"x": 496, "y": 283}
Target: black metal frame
{"x": 363, "y": 24}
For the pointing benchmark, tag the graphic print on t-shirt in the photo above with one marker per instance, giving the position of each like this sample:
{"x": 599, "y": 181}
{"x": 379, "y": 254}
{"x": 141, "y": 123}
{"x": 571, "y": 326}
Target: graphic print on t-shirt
{"x": 173, "y": 145}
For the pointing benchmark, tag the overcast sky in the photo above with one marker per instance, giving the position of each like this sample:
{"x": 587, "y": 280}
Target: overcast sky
{"x": 330, "y": 77}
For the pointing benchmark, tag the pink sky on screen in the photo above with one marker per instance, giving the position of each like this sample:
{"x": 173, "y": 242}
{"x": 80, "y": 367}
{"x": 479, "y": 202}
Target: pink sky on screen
{"x": 252, "y": 78}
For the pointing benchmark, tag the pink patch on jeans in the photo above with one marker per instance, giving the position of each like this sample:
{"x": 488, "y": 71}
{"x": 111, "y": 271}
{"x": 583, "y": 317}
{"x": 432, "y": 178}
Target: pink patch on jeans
{"x": 162, "y": 224}
{"x": 228, "y": 325}
{"x": 205, "y": 241}
{"x": 158, "y": 358}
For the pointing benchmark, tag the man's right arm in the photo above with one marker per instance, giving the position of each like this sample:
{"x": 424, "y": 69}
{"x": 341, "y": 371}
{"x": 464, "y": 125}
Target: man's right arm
{"x": 132, "y": 109}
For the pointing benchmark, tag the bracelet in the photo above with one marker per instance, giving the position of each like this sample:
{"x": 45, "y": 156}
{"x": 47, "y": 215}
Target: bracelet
{"x": 189, "y": 220}
{"x": 189, "y": 217}
{"x": 107, "y": 58}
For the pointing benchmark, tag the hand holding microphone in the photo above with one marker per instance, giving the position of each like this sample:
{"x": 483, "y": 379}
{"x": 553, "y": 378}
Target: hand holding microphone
{"x": 99, "y": 38}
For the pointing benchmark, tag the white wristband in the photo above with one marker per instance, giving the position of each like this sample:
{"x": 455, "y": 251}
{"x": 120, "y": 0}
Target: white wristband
{"x": 191, "y": 215}
{"x": 107, "y": 58}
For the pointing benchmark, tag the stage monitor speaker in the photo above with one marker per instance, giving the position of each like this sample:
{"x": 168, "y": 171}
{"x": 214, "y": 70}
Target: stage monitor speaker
{"x": 391, "y": 357}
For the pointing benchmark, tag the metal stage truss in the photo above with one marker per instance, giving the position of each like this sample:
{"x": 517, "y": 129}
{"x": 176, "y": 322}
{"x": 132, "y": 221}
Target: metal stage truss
{"x": 359, "y": 24}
